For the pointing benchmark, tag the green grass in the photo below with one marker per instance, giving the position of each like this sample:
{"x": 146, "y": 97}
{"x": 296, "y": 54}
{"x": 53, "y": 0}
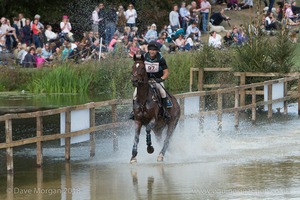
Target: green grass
{"x": 296, "y": 59}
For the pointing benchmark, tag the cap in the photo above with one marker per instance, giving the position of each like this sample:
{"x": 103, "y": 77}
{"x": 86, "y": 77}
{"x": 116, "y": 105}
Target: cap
{"x": 153, "y": 25}
{"x": 153, "y": 46}
{"x": 65, "y": 17}
{"x": 37, "y": 16}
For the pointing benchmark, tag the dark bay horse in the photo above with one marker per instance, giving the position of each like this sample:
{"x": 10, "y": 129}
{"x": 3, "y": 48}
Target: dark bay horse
{"x": 148, "y": 111}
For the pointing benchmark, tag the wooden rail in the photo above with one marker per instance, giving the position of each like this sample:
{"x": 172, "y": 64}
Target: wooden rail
{"x": 236, "y": 91}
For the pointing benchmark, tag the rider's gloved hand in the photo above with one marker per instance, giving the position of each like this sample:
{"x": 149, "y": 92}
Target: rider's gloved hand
{"x": 158, "y": 80}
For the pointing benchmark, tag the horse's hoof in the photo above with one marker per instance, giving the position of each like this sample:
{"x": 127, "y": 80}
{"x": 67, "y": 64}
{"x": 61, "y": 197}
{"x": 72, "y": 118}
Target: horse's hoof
{"x": 160, "y": 158}
{"x": 150, "y": 149}
{"x": 133, "y": 161}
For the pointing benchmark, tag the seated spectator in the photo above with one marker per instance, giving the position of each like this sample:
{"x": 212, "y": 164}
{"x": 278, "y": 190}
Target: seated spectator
{"x": 29, "y": 60}
{"x": 151, "y": 34}
{"x": 195, "y": 30}
{"x": 246, "y": 4}
{"x": 39, "y": 59}
{"x": 134, "y": 47}
{"x": 215, "y": 40}
{"x": 113, "y": 43}
{"x": 50, "y": 35}
{"x": 180, "y": 43}
{"x": 228, "y": 40}
{"x": 66, "y": 51}
{"x": 22, "y": 53}
{"x": 163, "y": 48}
{"x": 270, "y": 22}
{"x": 234, "y": 35}
{"x": 232, "y": 5}
{"x": 242, "y": 37}
{"x": 47, "y": 52}
{"x": 17, "y": 50}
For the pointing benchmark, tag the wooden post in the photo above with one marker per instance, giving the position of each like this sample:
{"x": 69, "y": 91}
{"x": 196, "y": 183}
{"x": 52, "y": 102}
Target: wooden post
{"x": 10, "y": 186}
{"x": 114, "y": 120}
{"x": 236, "y": 106}
{"x": 39, "y": 148}
{"x": 270, "y": 111}
{"x": 220, "y": 110}
{"x": 242, "y": 92}
{"x": 92, "y": 134}
{"x": 298, "y": 96}
{"x": 9, "y": 151}
{"x": 200, "y": 79}
{"x": 253, "y": 91}
{"x": 202, "y": 110}
{"x": 39, "y": 182}
{"x": 285, "y": 103}
{"x": 68, "y": 139}
{"x": 191, "y": 79}
{"x": 68, "y": 181}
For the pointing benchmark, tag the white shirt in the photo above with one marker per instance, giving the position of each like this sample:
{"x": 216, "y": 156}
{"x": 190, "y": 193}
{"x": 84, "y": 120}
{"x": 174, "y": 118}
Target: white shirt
{"x": 205, "y": 4}
{"x": 174, "y": 18}
{"x": 50, "y": 35}
{"x": 131, "y": 15}
{"x": 65, "y": 29}
{"x": 95, "y": 17}
{"x": 215, "y": 42}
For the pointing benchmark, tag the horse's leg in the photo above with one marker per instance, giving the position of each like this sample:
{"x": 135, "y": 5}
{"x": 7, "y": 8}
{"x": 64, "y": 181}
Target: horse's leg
{"x": 138, "y": 126}
{"x": 150, "y": 126}
{"x": 170, "y": 130}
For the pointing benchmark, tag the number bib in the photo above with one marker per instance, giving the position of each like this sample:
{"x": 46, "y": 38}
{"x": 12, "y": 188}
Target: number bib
{"x": 152, "y": 67}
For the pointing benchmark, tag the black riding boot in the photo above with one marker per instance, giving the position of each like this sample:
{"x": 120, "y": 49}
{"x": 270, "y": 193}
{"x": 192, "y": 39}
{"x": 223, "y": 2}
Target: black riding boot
{"x": 165, "y": 108}
{"x": 131, "y": 116}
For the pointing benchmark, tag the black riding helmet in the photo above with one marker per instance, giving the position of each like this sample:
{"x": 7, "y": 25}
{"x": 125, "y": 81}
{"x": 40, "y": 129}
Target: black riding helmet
{"x": 153, "y": 46}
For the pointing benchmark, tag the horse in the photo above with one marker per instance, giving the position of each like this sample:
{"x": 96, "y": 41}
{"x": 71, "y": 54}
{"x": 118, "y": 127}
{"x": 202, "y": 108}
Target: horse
{"x": 148, "y": 111}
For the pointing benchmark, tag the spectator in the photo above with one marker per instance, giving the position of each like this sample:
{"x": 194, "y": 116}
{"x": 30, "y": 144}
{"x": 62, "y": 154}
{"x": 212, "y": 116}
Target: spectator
{"x": 134, "y": 47}
{"x": 184, "y": 15}
{"x": 174, "y": 19}
{"x": 113, "y": 43}
{"x": 194, "y": 11}
{"x": 227, "y": 39}
{"x": 246, "y": 4}
{"x": 217, "y": 18}
{"x": 39, "y": 24}
{"x": 50, "y": 35}
{"x": 131, "y": 16}
{"x": 11, "y": 37}
{"x": 121, "y": 22}
{"x": 205, "y": 8}
{"x": 270, "y": 22}
{"x": 193, "y": 29}
{"x": 47, "y": 52}
{"x": 151, "y": 34}
{"x": 22, "y": 53}
{"x": 232, "y": 5}
{"x": 21, "y": 21}
{"x": 110, "y": 25}
{"x": 27, "y": 33}
{"x": 101, "y": 15}
{"x": 66, "y": 28}
{"x": 215, "y": 40}
{"x": 96, "y": 20}
{"x": 39, "y": 60}
{"x": 180, "y": 43}
{"x": 36, "y": 31}
{"x": 29, "y": 60}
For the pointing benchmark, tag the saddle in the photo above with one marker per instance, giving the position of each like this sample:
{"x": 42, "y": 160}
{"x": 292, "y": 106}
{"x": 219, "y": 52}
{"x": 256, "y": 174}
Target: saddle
{"x": 156, "y": 95}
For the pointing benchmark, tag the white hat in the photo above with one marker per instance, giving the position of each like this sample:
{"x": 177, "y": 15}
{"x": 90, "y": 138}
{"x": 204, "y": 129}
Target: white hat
{"x": 153, "y": 25}
{"x": 37, "y": 16}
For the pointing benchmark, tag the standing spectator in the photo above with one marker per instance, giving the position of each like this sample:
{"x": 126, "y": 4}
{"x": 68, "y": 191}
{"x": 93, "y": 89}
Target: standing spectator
{"x": 131, "y": 16}
{"x": 21, "y": 21}
{"x": 101, "y": 15}
{"x": 11, "y": 38}
{"x": 96, "y": 20}
{"x": 29, "y": 60}
{"x": 26, "y": 33}
{"x": 110, "y": 24}
{"x": 184, "y": 15}
{"x": 194, "y": 11}
{"x": 205, "y": 9}
{"x": 39, "y": 24}
{"x": 7, "y": 32}
{"x": 174, "y": 18}
{"x": 35, "y": 30}
{"x": 121, "y": 22}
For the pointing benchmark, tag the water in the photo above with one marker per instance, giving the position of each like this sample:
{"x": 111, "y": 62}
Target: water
{"x": 253, "y": 162}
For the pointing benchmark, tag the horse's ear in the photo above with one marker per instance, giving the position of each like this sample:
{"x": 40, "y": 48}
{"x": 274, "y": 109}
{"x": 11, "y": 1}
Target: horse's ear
{"x": 143, "y": 58}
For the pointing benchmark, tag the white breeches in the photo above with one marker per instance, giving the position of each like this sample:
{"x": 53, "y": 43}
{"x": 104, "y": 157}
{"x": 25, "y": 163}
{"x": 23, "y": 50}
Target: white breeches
{"x": 158, "y": 86}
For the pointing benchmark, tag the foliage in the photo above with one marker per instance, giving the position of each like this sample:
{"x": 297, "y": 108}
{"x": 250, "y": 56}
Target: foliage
{"x": 12, "y": 79}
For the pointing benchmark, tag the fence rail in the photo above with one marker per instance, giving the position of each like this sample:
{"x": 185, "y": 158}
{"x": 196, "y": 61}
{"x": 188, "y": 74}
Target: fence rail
{"x": 236, "y": 92}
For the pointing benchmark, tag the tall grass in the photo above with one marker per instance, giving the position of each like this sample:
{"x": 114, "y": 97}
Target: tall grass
{"x": 62, "y": 79}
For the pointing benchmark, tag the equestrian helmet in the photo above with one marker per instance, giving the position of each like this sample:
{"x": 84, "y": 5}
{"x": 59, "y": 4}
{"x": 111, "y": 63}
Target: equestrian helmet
{"x": 153, "y": 46}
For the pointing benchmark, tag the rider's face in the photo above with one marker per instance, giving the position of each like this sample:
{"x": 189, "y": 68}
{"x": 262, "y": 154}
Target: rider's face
{"x": 152, "y": 53}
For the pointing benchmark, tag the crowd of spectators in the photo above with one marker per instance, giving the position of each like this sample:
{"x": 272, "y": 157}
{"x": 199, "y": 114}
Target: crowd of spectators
{"x": 34, "y": 45}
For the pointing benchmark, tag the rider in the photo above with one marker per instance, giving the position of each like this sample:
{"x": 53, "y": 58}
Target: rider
{"x": 157, "y": 69}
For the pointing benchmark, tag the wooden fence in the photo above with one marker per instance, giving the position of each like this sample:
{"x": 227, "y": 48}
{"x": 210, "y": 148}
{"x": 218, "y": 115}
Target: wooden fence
{"x": 235, "y": 91}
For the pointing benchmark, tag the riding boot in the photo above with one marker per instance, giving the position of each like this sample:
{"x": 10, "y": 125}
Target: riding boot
{"x": 131, "y": 116}
{"x": 165, "y": 108}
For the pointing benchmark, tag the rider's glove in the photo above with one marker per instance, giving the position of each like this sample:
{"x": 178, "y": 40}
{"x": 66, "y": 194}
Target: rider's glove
{"x": 158, "y": 80}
